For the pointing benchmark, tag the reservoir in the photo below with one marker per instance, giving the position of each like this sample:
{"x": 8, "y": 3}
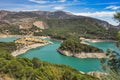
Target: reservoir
{"x": 8, "y": 39}
{"x": 49, "y": 53}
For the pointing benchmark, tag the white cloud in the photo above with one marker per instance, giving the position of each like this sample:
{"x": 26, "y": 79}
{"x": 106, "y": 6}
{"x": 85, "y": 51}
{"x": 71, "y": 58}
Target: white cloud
{"x": 103, "y": 15}
{"x": 100, "y": 14}
{"x": 62, "y": 0}
{"x": 108, "y": 3}
{"x": 46, "y": 1}
{"x": 39, "y": 1}
{"x": 59, "y": 7}
{"x": 113, "y": 7}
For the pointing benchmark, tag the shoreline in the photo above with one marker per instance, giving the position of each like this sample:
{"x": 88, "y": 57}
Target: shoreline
{"x": 26, "y": 48}
{"x": 21, "y": 36}
{"x": 83, "y": 55}
{"x": 6, "y": 36}
{"x": 55, "y": 39}
{"x": 43, "y": 37}
{"x": 97, "y": 74}
{"x": 83, "y": 40}
{"x": 29, "y": 47}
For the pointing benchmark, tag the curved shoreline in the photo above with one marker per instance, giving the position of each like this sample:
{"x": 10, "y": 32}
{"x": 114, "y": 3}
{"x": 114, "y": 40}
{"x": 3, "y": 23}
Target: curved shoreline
{"x": 26, "y": 48}
{"x": 82, "y": 55}
{"x": 83, "y": 40}
{"x": 21, "y": 36}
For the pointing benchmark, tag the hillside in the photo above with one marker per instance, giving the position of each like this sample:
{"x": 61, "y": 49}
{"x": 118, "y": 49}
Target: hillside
{"x": 56, "y": 24}
{"x": 35, "y": 69}
{"x": 73, "y": 47}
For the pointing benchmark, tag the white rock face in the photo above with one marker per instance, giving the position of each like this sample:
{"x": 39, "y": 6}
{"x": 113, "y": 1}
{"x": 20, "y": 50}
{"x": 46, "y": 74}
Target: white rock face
{"x": 97, "y": 74}
{"x": 83, "y": 55}
{"x": 40, "y": 24}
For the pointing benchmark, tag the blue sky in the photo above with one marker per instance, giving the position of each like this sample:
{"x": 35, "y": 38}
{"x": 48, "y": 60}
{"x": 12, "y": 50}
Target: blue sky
{"x": 101, "y": 9}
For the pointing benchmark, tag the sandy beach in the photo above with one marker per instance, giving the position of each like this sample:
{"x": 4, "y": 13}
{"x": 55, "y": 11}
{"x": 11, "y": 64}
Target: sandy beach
{"x": 26, "y": 48}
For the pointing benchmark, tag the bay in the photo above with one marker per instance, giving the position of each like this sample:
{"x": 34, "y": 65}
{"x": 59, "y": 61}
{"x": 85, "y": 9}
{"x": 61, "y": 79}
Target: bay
{"x": 49, "y": 53}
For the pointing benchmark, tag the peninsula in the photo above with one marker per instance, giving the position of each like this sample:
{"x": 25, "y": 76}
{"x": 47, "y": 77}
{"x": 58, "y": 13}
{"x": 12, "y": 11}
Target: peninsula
{"x": 25, "y": 44}
{"x": 73, "y": 47}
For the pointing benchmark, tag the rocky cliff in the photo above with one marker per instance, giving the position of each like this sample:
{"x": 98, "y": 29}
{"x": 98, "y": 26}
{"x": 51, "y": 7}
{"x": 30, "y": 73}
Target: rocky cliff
{"x": 82, "y": 54}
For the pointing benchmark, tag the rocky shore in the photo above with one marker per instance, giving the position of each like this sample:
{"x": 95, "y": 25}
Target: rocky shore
{"x": 26, "y": 48}
{"x": 82, "y": 55}
{"x": 83, "y": 40}
{"x": 97, "y": 74}
{"x": 25, "y": 44}
{"x": 22, "y": 36}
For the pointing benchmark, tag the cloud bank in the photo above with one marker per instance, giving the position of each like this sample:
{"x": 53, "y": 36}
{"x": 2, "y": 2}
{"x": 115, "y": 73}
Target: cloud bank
{"x": 103, "y": 15}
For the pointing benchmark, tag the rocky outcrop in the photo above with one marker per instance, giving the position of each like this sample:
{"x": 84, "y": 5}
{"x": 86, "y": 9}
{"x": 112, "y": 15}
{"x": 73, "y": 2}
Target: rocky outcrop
{"x": 27, "y": 23}
{"x": 82, "y": 54}
{"x": 29, "y": 41}
{"x": 25, "y": 26}
{"x": 5, "y": 77}
{"x": 40, "y": 24}
{"x": 3, "y": 14}
{"x": 97, "y": 74}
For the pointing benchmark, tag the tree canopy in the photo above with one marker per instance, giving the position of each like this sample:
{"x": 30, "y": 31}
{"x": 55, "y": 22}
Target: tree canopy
{"x": 117, "y": 16}
{"x": 72, "y": 43}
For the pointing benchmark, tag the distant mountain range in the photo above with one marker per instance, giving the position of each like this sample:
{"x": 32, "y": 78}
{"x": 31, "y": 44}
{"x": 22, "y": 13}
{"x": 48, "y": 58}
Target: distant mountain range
{"x": 55, "y": 22}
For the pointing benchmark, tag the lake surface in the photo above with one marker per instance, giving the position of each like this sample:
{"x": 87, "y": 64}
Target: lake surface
{"x": 8, "y": 39}
{"x": 49, "y": 53}
{"x": 105, "y": 45}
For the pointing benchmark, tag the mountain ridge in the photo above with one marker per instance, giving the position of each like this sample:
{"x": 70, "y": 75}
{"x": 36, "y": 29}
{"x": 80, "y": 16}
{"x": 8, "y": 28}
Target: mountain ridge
{"x": 54, "y": 20}
{"x": 64, "y": 14}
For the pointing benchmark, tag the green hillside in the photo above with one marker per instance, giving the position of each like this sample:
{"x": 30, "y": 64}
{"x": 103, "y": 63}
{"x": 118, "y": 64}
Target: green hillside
{"x": 26, "y": 69}
{"x": 84, "y": 27}
{"x": 60, "y": 24}
{"x": 73, "y": 45}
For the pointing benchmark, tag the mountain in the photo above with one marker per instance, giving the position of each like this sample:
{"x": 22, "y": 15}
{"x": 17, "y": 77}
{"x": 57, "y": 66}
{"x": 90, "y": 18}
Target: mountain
{"x": 67, "y": 15}
{"x": 56, "y": 24}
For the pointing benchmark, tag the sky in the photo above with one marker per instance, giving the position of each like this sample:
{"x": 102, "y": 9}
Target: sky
{"x": 100, "y": 9}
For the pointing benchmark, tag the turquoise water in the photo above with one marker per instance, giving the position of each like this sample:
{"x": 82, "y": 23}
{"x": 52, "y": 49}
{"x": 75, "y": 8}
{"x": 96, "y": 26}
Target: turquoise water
{"x": 8, "y": 39}
{"x": 49, "y": 53}
{"x": 105, "y": 45}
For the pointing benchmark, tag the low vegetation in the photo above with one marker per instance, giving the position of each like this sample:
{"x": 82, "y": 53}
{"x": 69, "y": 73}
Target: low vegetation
{"x": 7, "y": 47}
{"x": 112, "y": 64}
{"x": 35, "y": 69}
{"x": 84, "y": 27}
{"x": 73, "y": 44}
{"x": 59, "y": 25}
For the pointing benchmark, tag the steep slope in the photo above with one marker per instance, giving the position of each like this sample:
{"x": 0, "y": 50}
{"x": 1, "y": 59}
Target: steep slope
{"x": 56, "y": 25}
